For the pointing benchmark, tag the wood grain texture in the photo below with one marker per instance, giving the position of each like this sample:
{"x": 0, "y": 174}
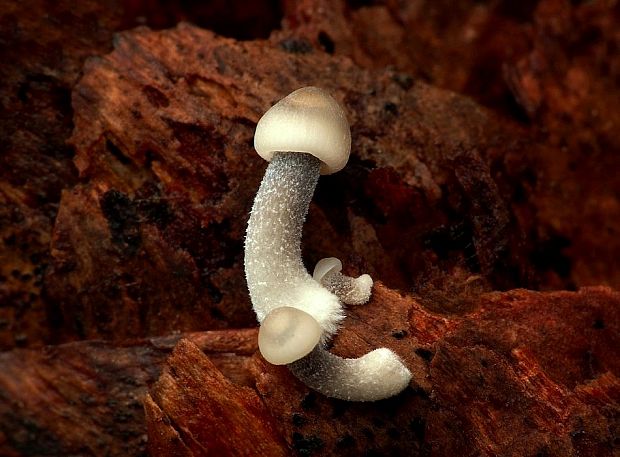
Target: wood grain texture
{"x": 481, "y": 195}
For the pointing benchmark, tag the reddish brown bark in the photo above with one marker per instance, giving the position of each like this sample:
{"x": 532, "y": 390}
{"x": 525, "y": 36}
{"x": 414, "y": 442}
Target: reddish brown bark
{"x": 484, "y": 379}
{"x": 85, "y": 398}
{"x": 222, "y": 420}
{"x": 484, "y": 160}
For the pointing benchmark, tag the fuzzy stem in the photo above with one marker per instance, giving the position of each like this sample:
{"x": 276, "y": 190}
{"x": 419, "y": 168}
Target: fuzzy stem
{"x": 277, "y": 278}
{"x": 274, "y": 270}
{"x": 352, "y": 291}
{"x": 374, "y": 376}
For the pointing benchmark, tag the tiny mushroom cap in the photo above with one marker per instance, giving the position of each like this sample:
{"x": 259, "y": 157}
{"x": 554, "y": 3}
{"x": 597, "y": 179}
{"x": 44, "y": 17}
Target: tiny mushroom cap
{"x": 287, "y": 334}
{"x": 324, "y": 266}
{"x": 308, "y": 120}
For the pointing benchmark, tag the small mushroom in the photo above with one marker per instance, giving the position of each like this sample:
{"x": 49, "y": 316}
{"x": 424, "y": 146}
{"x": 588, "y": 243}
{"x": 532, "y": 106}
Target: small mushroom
{"x": 351, "y": 291}
{"x": 287, "y": 334}
{"x": 302, "y": 136}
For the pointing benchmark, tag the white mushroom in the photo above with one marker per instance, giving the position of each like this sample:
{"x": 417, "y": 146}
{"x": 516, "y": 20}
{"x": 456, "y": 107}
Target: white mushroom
{"x": 351, "y": 291}
{"x": 307, "y": 120}
{"x": 275, "y": 272}
{"x": 287, "y": 334}
{"x": 302, "y": 136}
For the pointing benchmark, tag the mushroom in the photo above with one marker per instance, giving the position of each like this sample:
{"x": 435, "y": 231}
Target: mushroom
{"x": 351, "y": 291}
{"x": 302, "y": 136}
{"x": 287, "y": 334}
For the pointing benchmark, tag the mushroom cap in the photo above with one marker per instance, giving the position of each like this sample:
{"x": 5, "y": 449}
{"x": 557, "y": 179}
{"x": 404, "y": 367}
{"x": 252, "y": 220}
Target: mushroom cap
{"x": 324, "y": 266}
{"x": 307, "y": 120}
{"x": 287, "y": 334}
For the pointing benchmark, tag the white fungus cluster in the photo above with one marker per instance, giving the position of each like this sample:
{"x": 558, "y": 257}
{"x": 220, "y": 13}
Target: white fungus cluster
{"x": 304, "y": 135}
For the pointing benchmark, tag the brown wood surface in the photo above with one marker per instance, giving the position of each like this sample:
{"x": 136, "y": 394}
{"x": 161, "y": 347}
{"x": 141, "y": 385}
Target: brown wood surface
{"x": 482, "y": 195}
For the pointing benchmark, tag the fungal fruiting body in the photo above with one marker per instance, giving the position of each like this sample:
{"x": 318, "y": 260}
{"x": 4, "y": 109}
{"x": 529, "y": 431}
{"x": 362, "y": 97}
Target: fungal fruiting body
{"x": 351, "y": 291}
{"x": 274, "y": 270}
{"x": 304, "y": 135}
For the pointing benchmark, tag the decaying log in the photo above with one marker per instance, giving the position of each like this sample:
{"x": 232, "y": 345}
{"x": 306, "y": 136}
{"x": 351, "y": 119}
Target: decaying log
{"x": 168, "y": 158}
{"x": 484, "y": 162}
{"x": 485, "y": 382}
{"x": 43, "y": 49}
{"x": 194, "y": 410}
{"x": 85, "y": 398}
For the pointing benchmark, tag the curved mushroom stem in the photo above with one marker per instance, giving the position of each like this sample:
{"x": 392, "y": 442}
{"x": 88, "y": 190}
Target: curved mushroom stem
{"x": 277, "y": 278}
{"x": 274, "y": 270}
{"x": 351, "y": 291}
{"x": 377, "y": 375}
